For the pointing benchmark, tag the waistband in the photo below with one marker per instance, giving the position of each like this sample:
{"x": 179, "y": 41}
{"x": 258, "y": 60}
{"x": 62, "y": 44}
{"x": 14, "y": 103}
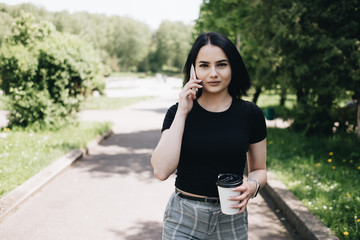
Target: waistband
{"x": 212, "y": 200}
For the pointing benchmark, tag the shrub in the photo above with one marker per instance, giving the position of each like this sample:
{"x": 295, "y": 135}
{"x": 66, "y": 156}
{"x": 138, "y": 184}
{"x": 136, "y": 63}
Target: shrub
{"x": 46, "y": 74}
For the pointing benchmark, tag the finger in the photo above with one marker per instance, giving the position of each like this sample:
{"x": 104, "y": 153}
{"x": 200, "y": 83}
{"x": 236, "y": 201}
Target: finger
{"x": 240, "y": 205}
{"x": 196, "y": 81}
{"x": 190, "y": 94}
{"x": 193, "y": 85}
{"x": 244, "y": 195}
{"x": 241, "y": 188}
{"x": 241, "y": 210}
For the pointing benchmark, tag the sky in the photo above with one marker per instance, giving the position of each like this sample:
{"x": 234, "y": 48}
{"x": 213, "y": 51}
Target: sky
{"x": 151, "y": 12}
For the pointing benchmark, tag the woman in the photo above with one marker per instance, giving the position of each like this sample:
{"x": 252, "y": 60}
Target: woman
{"x": 208, "y": 132}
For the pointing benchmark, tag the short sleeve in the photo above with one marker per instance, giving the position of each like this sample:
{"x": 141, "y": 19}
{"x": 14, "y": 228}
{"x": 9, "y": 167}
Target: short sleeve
{"x": 169, "y": 117}
{"x": 258, "y": 130}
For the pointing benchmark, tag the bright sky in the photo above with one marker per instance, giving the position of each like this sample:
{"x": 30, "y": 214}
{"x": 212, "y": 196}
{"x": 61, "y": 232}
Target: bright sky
{"x": 152, "y": 12}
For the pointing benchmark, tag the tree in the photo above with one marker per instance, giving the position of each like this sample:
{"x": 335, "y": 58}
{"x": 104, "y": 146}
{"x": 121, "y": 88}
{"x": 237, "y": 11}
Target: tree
{"x": 309, "y": 47}
{"x": 46, "y": 74}
{"x": 242, "y": 23}
{"x": 128, "y": 40}
{"x": 172, "y": 45}
{"x": 319, "y": 47}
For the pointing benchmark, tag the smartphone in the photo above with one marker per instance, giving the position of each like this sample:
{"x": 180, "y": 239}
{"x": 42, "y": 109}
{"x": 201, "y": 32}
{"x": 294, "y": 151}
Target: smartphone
{"x": 192, "y": 75}
{"x": 192, "y": 72}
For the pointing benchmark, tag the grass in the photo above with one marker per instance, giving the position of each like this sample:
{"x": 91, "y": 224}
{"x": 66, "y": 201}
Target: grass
{"x": 24, "y": 153}
{"x": 270, "y": 99}
{"x": 324, "y": 173}
{"x": 106, "y": 103}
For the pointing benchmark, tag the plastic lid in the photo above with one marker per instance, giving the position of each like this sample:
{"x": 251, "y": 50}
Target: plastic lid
{"x": 229, "y": 180}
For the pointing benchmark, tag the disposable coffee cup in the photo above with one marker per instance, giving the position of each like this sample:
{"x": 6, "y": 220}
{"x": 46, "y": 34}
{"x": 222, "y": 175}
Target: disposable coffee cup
{"x": 226, "y": 182}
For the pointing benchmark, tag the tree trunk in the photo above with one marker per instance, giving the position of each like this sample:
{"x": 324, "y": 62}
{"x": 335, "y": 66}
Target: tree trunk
{"x": 358, "y": 118}
{"x": 283, "y": 97}
{"x": 299, "y": 96}
{"x": 257, "y": 94}
{"x": 238, "y": 41}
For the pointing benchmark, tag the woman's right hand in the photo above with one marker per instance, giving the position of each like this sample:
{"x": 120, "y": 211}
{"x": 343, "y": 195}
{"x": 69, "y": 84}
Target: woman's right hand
{"x": 188, "y": 95}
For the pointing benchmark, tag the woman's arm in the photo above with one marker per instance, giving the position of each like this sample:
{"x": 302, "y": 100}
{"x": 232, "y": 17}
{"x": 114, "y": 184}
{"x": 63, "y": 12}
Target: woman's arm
{"x": 165, "y": 157}
{"x": 257, "y": 170}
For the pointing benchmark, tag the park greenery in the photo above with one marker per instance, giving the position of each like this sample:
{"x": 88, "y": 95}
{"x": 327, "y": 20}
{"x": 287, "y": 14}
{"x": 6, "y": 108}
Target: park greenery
{"x": 303, "y": 58}
{"x": 323, "y": 173}
{"x": 310, "y": 51}
{"x": 46, "y": 74}
{"x": 124, "y": 44}
{"x": 307, "y": 48}
{"x": 23, "y": 153}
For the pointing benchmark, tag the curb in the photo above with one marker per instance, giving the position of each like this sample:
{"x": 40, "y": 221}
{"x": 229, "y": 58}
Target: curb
{"x": 11, "y": 201}
{"x": 306, "y": 224}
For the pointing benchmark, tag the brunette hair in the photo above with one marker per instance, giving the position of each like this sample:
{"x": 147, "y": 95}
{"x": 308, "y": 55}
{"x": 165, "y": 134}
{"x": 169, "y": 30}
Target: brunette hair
{"x": 240, "y": 80}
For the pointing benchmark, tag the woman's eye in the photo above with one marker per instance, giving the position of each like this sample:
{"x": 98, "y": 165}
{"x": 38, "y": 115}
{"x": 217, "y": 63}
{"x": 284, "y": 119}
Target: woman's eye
{"x": 222, "y": 64}
{"x": 203, "y": 65}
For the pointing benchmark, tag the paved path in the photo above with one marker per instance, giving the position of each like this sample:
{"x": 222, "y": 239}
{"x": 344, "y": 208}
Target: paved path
{"x": 112, "y": 194}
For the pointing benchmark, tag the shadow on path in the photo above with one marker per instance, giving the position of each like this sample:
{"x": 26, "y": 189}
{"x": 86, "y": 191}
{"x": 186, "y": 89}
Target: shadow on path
{"x": 135, "y": 140}
{"x": 157, "y": 110}
{"x": 142, "y": 231}
{"x": 123, "y": 154}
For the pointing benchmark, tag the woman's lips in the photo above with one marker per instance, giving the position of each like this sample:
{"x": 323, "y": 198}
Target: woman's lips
{"x": 213, "y": 83}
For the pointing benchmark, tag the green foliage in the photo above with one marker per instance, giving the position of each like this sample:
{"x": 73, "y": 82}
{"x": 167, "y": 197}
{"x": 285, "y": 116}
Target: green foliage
{"x": 323, "y": 172}
{"x": 46, "y": 74}
{"x": 172, "y": 45}
{"x": 128, "y": 40}
{"x": 5, "y": 21}
{"x": 18, "y": 66}
{"x": 124, "y": 44}
{"x": 309, "y": 48}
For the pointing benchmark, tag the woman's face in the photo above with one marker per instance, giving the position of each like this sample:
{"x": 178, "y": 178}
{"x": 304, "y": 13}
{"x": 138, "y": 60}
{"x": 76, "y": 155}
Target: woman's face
{"x": 213, "y": 68}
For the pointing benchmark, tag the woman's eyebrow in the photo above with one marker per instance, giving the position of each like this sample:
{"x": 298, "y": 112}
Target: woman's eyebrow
{"x": 223, "y": 60}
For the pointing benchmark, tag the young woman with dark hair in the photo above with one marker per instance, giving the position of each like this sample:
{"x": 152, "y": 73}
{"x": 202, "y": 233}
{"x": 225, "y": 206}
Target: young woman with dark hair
{"x": 211, "y": 131}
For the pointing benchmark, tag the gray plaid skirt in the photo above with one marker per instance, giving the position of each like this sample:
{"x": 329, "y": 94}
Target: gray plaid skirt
{"x": 188, "y": 219}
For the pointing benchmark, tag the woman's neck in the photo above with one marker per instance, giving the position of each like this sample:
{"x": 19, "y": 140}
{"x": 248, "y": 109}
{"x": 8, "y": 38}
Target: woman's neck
{"x": 215, "y": 102}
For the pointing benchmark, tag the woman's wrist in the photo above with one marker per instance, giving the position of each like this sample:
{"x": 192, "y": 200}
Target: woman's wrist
{"x": 257, "y": 187}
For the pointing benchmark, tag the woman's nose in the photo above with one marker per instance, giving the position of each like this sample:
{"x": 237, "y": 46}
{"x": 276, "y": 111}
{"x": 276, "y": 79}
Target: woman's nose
{"x": 213, "y": 72}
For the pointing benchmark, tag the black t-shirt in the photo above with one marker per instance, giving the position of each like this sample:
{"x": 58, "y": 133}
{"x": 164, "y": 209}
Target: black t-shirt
{"x": 214, "y": 143}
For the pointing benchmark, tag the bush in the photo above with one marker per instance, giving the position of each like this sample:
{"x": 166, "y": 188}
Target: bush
{"x": 46, "y": 74}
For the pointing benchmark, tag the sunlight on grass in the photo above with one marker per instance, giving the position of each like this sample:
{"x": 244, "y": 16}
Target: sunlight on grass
{"x": 107, "y": 103}
{"x": 323, "y": 173}
{"x": 24, "y": 153}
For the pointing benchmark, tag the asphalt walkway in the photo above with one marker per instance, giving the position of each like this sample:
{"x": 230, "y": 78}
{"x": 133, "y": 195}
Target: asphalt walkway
{"x": 112, "y": 194}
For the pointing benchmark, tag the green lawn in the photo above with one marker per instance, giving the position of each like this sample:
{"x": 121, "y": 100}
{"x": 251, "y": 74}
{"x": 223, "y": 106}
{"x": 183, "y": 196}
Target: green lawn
{"x": 106, "y": 103}
{"x": 324, "y": 173}
{"x": 24, "y": 153}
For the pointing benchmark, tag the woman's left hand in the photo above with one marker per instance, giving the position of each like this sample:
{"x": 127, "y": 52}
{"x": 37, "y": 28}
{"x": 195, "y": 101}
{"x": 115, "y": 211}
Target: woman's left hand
{"x": 246, "y": 190}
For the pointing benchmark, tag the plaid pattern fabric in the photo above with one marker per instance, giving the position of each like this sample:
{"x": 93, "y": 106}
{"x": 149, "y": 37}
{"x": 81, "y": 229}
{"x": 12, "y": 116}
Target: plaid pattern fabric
{"x": 188, "y": 219}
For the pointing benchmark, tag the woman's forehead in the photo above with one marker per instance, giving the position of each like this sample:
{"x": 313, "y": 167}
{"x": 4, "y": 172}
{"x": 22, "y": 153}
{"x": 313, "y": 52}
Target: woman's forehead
{"x": 211, "y": 53}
